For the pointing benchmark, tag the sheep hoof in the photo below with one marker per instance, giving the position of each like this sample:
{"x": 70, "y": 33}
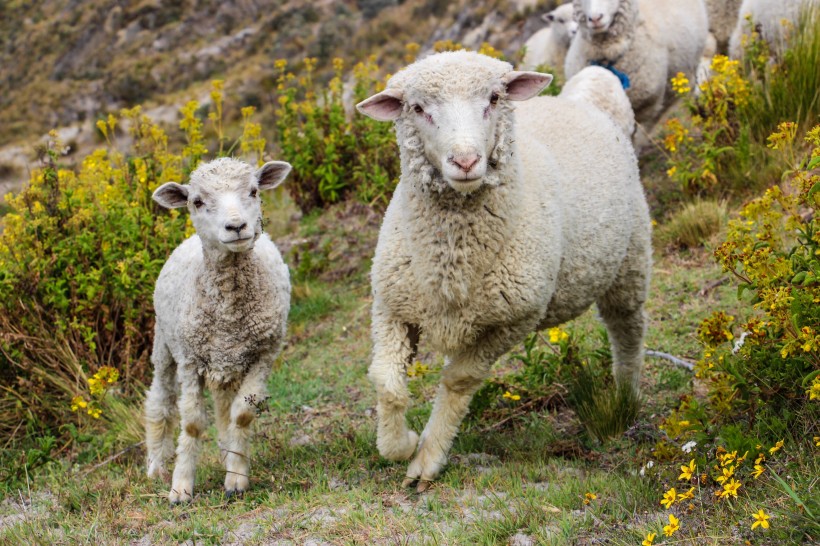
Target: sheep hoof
{"x": 231, "y": 493}
{"x": 409, "y": 482}
{"x": 423, "y": 486}
{"x": 179, "y": 498}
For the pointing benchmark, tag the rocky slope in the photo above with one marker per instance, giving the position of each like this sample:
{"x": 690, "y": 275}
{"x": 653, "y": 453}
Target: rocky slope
{"x": 66, "y": 63}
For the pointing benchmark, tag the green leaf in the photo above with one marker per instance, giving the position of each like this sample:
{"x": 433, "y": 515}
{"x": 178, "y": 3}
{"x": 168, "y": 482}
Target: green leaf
{"x": 797, "y": 279}
{"x": 815, "y": 162}
{"x": 789, "y": 491}
{"x": 814, "y": 189}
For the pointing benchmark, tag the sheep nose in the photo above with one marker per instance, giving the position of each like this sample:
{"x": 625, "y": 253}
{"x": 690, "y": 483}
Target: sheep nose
{"x": 236, "y": 225}
{"x": 465, "y": 161}
{"x": 595, "y": 19}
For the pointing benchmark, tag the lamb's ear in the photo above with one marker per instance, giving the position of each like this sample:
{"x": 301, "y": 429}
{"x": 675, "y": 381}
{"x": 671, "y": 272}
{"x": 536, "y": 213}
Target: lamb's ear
{"x": 171, "y": 195}
{"x": 548, "y": 18}
{"x": 272, "y": 173}
{"x": 384, "y": 106}
{"x": 525, "y": 85}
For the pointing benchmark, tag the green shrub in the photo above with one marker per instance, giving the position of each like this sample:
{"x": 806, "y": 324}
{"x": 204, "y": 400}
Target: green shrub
{"x": 334, "y": 157}
{"x": 693, "y": 224}
{"x": 79, "y": 254}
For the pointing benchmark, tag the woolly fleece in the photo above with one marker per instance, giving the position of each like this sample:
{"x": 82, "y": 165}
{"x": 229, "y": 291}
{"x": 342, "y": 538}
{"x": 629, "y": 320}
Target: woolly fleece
{"x": 601, "y": 88}
{"x": 560, "y": 222}
{"x": 650, "y": 41}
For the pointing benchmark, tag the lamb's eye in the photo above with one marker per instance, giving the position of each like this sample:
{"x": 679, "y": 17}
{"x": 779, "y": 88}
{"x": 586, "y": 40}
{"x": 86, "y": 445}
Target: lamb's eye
{"x": 253, "y": 193}
{"x": 418, "y": 109}
{"x": 494, "y": 98}
{"x": 198, "y": 203}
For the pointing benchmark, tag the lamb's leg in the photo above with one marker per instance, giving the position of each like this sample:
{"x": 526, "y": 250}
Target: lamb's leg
{"x": 194, "y": 423}
{"x": 161, "y": 417}
{"x": 252, "y": 393}
{"x": 223, "y": 398}
{"x": 622, "y": 310}
{"x": 461, "y": 377}
{"x": 394, "y": 347}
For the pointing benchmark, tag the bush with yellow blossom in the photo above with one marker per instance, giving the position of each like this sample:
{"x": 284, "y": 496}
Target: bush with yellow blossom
{"x": 79, "y": 253}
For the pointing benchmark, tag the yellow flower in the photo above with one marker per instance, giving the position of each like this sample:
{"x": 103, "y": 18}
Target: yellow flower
{"x": 687, "y": 471}
{"x": 727, "y": 473}
{"x": 588, "y": 497}
{"x": 688, "y": 495}
{"x": 649, "y": 540}
{"x": 730, "y": 489}
{"x": 94, "y": 412}
{"x": 814, "y": 390}
{"x": 511, "y": 396}
{"x": 674, "y": 525}
{"x": 418, "y": 370}
{"x": 78, "y": 402}
{"x": 669, "y": 497}
{"x": 557, "y": 335}
{"x": 816, "y": 441}
{"x": 761, "y": 518}
{"x": 760, "y": 458}
{"x": 776, "y": 447}
{"x": 680, "y": 84}
{"x": 758, "y": 471}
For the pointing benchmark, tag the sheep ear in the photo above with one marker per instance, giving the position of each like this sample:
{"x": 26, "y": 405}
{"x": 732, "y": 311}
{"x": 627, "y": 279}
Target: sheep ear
{"x": 171, "y": 195}
{"x": 272, "y": 173}
{"x": 384, "y": 106}
{"x": 525, "y": 85}
{"x": 548, "y": 18}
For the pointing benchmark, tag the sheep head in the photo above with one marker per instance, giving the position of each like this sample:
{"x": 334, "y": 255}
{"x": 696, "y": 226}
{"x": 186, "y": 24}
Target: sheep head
{"x": 596, "y": 16}
{"x": 223, "y": 199}
{"x": 453, "y": 104}
{"x": 562, "y": 21}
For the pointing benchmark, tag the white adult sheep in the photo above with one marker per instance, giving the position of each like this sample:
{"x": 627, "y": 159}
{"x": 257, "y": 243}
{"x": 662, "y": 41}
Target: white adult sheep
{"x": 549, "y": 45}
{"x": 775, "y": 20}
{"x": 722, "y": 18}
{"x": 601, "y": 88}
{"x": 645, "y": 43}
{"x": 221, "y": 302}
{"x": 505, "y": 221}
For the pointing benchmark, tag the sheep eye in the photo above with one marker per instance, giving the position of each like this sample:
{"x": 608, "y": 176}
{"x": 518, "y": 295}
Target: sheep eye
{"x": 494, "y": 98}
{"x": 418, "y": 109}
{"x": 253, "y": 193}
{"x": 198, "y": 202}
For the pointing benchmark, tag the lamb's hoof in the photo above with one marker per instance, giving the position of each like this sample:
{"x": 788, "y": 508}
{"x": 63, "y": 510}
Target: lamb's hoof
{"x": 420, "y": 485}
{"x": 174, "y": 497}
{"x": 423, "y": 486}
{"x": 233, "y": 493}
{"x": 409, "y": 482}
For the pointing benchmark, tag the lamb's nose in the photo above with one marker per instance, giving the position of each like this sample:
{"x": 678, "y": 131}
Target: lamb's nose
{"x": 595, "y": 19}
{"x": 465, "y": 161}
{"x": 236, "y": 226}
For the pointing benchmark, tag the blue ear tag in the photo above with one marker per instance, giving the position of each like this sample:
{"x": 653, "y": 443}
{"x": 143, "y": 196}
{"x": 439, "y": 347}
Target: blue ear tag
{"x": 622, "y": 77}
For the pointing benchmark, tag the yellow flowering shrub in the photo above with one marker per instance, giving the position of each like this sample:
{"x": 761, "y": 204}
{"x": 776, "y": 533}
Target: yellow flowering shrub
{"x": 334, "y": 155}
{"x": 79, "y": 254}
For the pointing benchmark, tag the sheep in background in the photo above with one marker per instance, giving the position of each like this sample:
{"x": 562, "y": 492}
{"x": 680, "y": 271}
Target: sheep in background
{"x": 601, "y": 88}
{"x": 643, "y": 42}
{"x": 549, "y": 45}
{"x": 722, "y": 17}
{"x": 506, "y": 220}
{"x": 222, "y": 303}
{"x": 775, "y": 20}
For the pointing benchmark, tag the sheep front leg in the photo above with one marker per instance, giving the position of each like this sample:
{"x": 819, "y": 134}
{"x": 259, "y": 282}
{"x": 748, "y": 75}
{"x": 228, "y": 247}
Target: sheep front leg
{"x": 194, "y": 423}
{"x": 160, "y": 411}
{"x": 236, "y": 449}
{"x": 394, "y": 347}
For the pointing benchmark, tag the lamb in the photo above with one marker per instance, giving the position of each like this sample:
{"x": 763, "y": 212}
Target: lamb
{"x": 549, "y": 45}
{"x": 774, "y": 20}
{"x": 722, "y": 17}
{"x": 645, "y": 43}
{"x": 222, "y": 302}
{"x": 506, "y": 220}
{"x": 601, "y": 88}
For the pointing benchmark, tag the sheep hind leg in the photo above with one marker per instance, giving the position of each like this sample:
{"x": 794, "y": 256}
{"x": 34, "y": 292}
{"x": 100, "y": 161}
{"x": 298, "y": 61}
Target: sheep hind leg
{"x": 622, "y": 310}
{"x": 395, "y": 346}
{"x": 161, "y": 416}
{"x": 194, "y": 423}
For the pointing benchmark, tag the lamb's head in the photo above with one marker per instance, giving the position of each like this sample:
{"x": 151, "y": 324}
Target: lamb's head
{"x": 597, "y": 16}
{"x": 223, "y": 199}
{"x": 562, "y": 21}
{"x": 452, "y": 110}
